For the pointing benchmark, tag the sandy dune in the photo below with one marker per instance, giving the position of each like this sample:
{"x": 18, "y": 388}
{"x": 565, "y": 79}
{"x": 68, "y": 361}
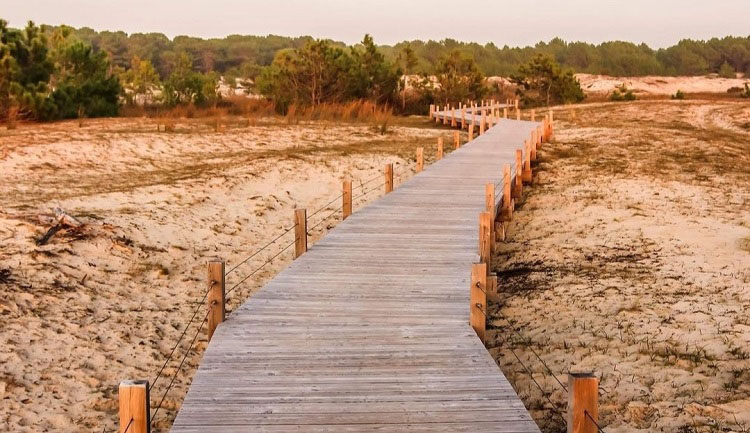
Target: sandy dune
{"x": 631, "y": 257}
{"x": 652, "y": 85}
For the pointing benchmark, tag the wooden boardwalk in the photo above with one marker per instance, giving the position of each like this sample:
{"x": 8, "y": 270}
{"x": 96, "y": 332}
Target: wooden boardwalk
{"x": 369, "y": 330}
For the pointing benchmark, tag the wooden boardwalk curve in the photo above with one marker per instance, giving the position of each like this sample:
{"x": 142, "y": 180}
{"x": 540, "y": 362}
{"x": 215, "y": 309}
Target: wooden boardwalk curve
{"x": 369, "y": 330}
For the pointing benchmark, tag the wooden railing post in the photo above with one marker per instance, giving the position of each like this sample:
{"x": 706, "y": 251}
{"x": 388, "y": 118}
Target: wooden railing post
{"x": 388, "y": 178}
{"x": 532, "y": 149}
{"x": 527, "y": 177}
{"x": 551, "y": 126}
{"x": 583, "y": 399}
{"x": 456, "y": 139}
{"x": 507, "y": 200}
{"x": 489, "y": 194}
{"x": 518, "y": 114}
{"x": 216, "y": 298}
{"x": 346, "y": 196}
{"x": 300, "y": 232}
{"x": 505, "y": 112}
{"x": 518, "y": 190}
{"x": 478, "y": 299}
{"x": 482, "y": 121}
{"x": 445, "y": 115}
{"x": 420, "y": 159}
{"x": 533, "y": 115}
{"x": 471, "y": 132}
{"x": 485, "y": 231}
{"x": 440, "y": 148}
{"x": 432, "y": 110}
{"x": 453, "y": 117}
{"x": 135, "y": 410}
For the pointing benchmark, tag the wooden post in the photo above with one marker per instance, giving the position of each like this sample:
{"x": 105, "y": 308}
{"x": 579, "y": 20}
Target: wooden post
{"x": 471, "y": 132}
{"x": 583, "y": 397}
{"x": 437, "y": 112}
{"x": 440, "y": 148}
{"x": 478, "y": 299}
{"x": 453, "y": 117}
{"x": 482, "y": 121}
{"x": 300, "y": 232}
{"x": 518, "y": 190}
{"x": 346, "y": 196}
{"x": 551, "y": 126}
{"x": 486, "y": 221}
{"x": 489, "y": 198}
{"x": 388, "y": 178}
{"x": 463, "y": 117}
{"x": 518, "y": 114}
{"x": 532, "y": 147}
{"x": 135, "y": 410}
{"x": 456, "y": 139}
{"x": 505, "y": 112}
{"x": 516, "y": 102}
{"x": 489, "y": 194}
{"x": 420, "y": 159}
{"x": 507, "y": 211}
{"x": 445, "y": 115}
{"x": 533, "y": 115}
{"x": 432, "y": 110}
{"x": 216, "y": 298}
{"x": 527, "y": 177}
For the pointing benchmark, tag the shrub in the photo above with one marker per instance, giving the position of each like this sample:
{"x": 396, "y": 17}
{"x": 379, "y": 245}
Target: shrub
{"x": 746, "y": 92}
{"x": 679, "y": 95}
{"x": 622, "y": 93}
{"x": 727, "y": 71}
{"x": 542, "y": 82}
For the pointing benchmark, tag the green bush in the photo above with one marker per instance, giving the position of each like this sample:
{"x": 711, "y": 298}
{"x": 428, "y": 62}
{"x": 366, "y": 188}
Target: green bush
{"x": 727, "y": 71}
{"x": 622, "y": 93}
{"x": 84, "y": 86}
{"x": 679, "y": 95}
{"x": 543, "y": 82}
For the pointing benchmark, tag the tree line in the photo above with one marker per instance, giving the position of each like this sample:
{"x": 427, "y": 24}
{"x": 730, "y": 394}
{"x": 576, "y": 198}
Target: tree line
{"x": 49, "y": 73}
{"x": 239, "y": 55}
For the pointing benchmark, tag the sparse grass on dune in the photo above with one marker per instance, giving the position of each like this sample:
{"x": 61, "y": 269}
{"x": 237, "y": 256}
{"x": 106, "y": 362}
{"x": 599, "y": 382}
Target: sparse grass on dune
{"x": 629, "y": 257}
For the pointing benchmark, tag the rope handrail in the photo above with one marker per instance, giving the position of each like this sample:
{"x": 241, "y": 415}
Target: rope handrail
{"x": 260, "y": 249}
{"x": 179, "y": 368}
{"x": 258, "y": 269}
{"x": 598, "y": 427}
{"x": 179, "y": 340}
{"x": 531, "y": 375}
{"x": 527, "y": 342}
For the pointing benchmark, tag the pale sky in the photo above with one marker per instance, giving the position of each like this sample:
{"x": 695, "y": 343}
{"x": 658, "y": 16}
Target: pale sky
{"x": 659, "y": 23}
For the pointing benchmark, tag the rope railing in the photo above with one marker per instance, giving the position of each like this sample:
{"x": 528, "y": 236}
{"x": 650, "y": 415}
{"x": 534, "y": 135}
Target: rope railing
{"x": 179, "y": 368}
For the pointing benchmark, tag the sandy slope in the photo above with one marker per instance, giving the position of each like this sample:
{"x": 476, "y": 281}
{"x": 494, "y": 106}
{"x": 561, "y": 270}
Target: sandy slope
{"x": 631, "y": 257}
{"x": 109, "y": 301}
{"x": 652, "y": 85}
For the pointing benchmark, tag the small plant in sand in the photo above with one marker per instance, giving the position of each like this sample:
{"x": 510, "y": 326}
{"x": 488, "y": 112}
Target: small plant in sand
{"x": 679, "y": 95}
{"x": 745, "y": 93}
{"x": 622, "y": 93}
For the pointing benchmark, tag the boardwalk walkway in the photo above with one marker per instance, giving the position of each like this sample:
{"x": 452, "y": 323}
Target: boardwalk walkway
{"x": 369, "y": 330}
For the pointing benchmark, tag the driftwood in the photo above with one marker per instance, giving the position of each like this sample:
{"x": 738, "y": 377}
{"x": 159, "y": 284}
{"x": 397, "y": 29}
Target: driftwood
{"x": 61, "y": 220}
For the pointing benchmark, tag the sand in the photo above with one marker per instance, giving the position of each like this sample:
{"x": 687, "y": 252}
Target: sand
{"x": 107, "y": 302}
{"x": 653, "y": 85}
{"x": 630, "y": 257}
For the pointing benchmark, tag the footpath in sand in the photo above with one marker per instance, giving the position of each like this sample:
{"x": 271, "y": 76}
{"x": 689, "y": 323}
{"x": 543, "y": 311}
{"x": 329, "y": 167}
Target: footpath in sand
{"x": 630, "y": 257}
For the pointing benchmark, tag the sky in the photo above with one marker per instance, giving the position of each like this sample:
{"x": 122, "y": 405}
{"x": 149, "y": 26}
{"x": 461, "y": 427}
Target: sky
{"x": 659, "y": 23}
